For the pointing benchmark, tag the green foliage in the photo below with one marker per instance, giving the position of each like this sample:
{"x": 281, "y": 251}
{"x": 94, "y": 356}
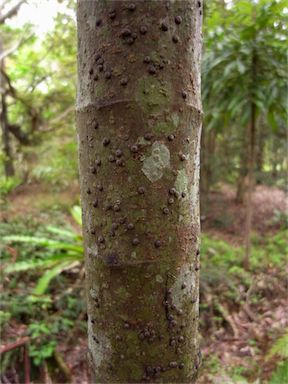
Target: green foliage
{"x": 265, "y": 251}
{"x": 47, "y": 251}
{"x": 280, "y": 375}
{"x": 8, "y": 184}
{"x": 245, "y": 64}
{"x": 279, "y": 348}
{"x": 65, "y": 253}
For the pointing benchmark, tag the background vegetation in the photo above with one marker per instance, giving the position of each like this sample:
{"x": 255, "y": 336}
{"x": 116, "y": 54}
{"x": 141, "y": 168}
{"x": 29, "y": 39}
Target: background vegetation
{"x": 243, "y": 206}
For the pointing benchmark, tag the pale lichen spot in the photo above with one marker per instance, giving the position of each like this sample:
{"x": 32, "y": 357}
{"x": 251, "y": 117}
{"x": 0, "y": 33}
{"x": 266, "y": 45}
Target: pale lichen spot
{"x": 91, "y": 21}
{"x": 181, "y": 183}
{"x": 184, "y": 286}
{"x": 93, "y": 250}
{"x": 154, "y": 165}
{"x": 159, "y": 279}
{"x": 175, "y": 119}
{"x": 99, "y": 346}
{"x": 94, "y": 292}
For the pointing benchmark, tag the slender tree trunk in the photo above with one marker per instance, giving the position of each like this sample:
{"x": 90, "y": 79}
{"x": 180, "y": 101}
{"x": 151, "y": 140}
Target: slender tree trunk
{"x": 6, "y": 145}
{"x": 251, "y": 181}
{"x": 207, "y": 157}
{"x": 243, "y": 171}
{"x": 259, "y": 155}
{"x": 139, "y": 121}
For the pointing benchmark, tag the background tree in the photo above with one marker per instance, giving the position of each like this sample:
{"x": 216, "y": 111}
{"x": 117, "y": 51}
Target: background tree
{"x": 139, "y": 119}
{"x": 244, "y": 69}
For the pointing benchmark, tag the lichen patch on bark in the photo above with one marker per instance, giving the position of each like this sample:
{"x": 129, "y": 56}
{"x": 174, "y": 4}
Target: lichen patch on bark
{"x": 184, "y": 286}
{"x": 154, "y": 165}
{"x": 99, "y": 346}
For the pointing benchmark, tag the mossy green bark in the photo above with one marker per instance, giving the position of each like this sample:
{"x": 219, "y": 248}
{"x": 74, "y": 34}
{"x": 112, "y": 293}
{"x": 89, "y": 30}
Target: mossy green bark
{"x": 139, "y": 121}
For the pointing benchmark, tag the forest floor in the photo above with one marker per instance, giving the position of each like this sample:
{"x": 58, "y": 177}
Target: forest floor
{"x": 242, "y": 315}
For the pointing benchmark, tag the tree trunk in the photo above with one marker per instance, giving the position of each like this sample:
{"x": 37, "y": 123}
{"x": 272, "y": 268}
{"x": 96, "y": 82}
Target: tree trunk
{"x": 8, "y": 158}
{"x": 207, "y": 159}
{"x": 139, "y": 120}
{"x": 251, "y": 178}
{"x": 243, "y": 170}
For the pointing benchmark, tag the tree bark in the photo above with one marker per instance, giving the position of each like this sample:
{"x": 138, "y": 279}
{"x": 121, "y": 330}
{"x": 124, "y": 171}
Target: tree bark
{"x": 139, "y": 121}
{"x": 8, "y": 159}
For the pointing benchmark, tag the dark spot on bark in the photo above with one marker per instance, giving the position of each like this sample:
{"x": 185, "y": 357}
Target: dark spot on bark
{"x": 184, "y": 285}
{"x": 116, "y": 208}
{"x": 132, "y": 7}
{"x": 88, "y": 191}
{"x": 98, "y": 22}
{"x": 181, "y": 365}
{"x": 130, "y": 226}
{"x": 178, "y": 19}
{"x": 101, "y": 239}
{"x": 95, "y": 339}
{"x": 111, "y": 158}
{"x": 100, "y": 61}
{"x": 182, "y": 157}
{"x": 141, "y": 190}
{"x": 135, "y": 241}
{"x": 96, "y": 77}
{"x": 114, "y": 226}
{"x": 157, "y": 243}
{"x": 122, "y": 220}
{"x": 199, "y": 3}
{"x": 108, "y": 75}
{"x": 119, "y": 162}
{"x": 129, "y": 40}
{"x": 118, "y": 153}
{"x": 112, "y": 259}
{"x": 124, "y": 81}
{"x": 152, "y": 69}
{"x": 143, "y": 29}
{"x": 91, "y": 71}
{"x": 106, "y": 141}
{"x": 148, "y": 136}
{"x": 183, "y": 194}
{"x": 95, "y": 204}
{"x": 171, "y": 137}
{"x": 134, "y": 148}
{"x": 93, "y": 170}
{"x": 165, "y": 211}
{"x": 172, "y": 342}
{"x": 147, "y": 59}
{"x": 97, "y": 56}
{"x": 100, "y": 68}
{"x": 93, "y": 232}
{"x": 126, "y": 32}
{"x": 184, "y": 94}
{"x": 112, "y": 14}
{"x": 175, "y": 39}
{"x": 98, "y": 162}
{"x": 164, "y": 26}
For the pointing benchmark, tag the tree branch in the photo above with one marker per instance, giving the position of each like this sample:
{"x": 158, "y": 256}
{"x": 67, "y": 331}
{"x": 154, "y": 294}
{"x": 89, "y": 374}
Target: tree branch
{"x": 12, "y": 12}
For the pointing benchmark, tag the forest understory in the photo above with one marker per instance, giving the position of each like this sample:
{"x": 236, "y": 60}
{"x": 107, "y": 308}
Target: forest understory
{"x": 242, "y": 313}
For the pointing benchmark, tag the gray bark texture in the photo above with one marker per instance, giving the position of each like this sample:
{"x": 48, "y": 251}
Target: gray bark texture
{"x": 139, "y": 121}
